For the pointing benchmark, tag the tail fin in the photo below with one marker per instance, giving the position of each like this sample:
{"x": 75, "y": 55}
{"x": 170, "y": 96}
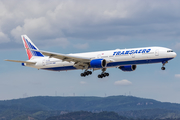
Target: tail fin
{"x": 29, "y": 46}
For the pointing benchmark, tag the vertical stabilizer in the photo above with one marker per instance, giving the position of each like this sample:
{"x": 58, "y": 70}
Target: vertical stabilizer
{"x": 29, "y": 46}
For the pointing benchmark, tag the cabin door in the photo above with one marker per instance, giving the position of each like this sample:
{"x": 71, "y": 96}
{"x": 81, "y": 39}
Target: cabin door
{"x": 44, "y": 62}
{"x": 157, "y": 52}
{"x": 133, "y": 55}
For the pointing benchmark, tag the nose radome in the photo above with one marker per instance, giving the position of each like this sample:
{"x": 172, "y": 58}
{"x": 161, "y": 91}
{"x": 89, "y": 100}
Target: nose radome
{"x": 175, "y": 54}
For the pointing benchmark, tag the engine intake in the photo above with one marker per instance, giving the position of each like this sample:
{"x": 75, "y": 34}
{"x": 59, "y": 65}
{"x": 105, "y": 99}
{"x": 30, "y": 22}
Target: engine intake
{"x": 98, "y": 63}
{"x": 128, "y": 68}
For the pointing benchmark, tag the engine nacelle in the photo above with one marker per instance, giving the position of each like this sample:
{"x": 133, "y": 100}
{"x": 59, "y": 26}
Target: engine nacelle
{"x": 98, "y": 63}
{"x": 128, "y": 68}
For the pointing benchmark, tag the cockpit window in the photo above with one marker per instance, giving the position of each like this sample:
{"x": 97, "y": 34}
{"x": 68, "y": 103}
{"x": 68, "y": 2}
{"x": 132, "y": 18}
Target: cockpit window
{"x": 170, "y": 51}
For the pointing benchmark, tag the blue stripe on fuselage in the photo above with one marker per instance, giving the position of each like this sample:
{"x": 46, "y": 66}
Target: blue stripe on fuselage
{"x": 138, "y": 62}
{"x": 114, "y": 64}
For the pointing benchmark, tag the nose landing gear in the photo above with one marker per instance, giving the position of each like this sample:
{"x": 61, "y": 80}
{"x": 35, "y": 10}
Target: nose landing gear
{"x": 163, "y": 68}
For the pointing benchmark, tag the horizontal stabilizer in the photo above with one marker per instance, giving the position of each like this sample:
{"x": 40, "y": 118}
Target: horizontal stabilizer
{"x": 27, "y": 62}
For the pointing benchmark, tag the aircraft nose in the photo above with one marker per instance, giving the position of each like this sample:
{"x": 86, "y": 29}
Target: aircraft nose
{"x": 174, "y": 54}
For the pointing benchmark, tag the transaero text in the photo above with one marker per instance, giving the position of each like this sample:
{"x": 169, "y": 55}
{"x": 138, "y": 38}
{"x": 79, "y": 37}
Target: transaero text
{"x": 132, "y": 52}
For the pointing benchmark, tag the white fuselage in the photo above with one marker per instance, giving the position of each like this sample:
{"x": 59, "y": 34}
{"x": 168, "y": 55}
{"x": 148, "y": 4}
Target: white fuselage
{"x": 118, "y": 57}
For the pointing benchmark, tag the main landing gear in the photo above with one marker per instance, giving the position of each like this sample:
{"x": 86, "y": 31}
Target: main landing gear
{"x": 163, "y": 68}
{"x": 103, "y": 74}
{"x": 86, "y": 73}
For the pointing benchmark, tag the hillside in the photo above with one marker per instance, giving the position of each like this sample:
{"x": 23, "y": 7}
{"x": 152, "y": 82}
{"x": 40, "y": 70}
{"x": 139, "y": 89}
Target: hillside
{"x": 112, "y": 103}
{"x": 83, "y": 115}
{"x": 42, "y": 107}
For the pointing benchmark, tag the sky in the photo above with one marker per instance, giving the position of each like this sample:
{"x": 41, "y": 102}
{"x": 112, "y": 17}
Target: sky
{"x": 69, "y": 26}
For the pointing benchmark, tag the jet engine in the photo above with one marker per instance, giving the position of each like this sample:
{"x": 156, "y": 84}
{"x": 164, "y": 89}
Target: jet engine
{"x": 98, "y": 63}
{"x": 128, "y": 68}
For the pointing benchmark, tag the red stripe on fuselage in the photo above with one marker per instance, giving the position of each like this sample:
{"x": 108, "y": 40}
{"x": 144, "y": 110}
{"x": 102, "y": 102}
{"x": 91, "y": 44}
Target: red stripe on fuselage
{"x": 27, "y": 49}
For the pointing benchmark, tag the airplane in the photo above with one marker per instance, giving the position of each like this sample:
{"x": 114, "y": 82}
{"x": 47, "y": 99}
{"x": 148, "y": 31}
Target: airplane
{"x": 124, "y": 59}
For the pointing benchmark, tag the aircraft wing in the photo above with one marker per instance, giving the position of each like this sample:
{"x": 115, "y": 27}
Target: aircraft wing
{"x": 65, "y": 57}
{"x": 27, "y": 62}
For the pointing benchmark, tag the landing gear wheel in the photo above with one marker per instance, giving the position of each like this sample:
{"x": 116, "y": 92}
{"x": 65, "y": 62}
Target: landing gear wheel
{"x": 82, "y": 75}
{"x": 107, "y": 74}
{"x": 163, "y": 68}
{"x": 86, "y": 73}
{"x": 103, "y": 75}
{"x": 99, "y": 76}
